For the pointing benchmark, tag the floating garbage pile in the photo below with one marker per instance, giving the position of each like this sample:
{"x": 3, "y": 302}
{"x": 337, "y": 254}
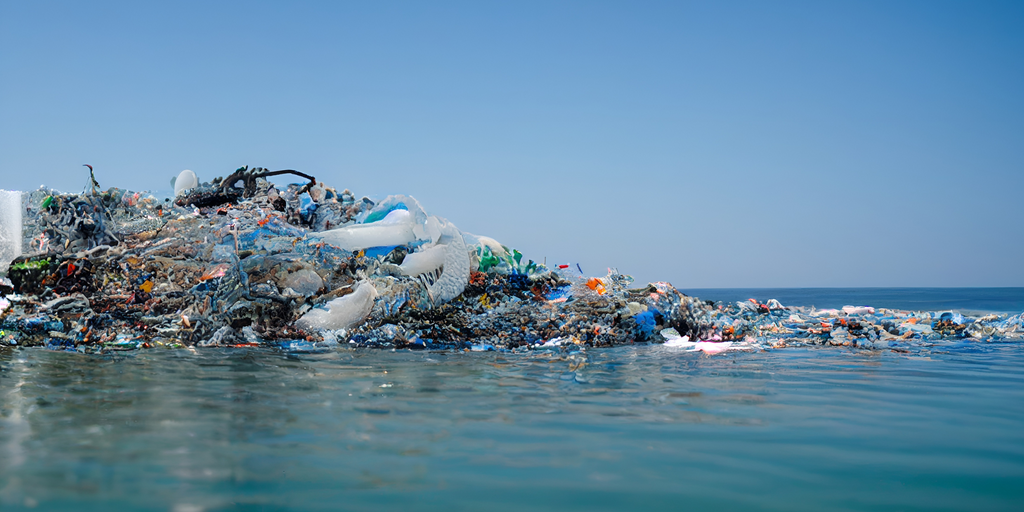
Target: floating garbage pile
{"x": 240, "y": 262}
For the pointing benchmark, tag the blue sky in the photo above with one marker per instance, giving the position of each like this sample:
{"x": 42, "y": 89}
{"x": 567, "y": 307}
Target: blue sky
{"x": 710, "y": 144}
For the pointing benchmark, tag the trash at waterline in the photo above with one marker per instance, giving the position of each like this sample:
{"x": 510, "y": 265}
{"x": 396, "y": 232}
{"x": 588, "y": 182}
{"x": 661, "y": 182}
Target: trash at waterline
{"x": 240, "y": 261}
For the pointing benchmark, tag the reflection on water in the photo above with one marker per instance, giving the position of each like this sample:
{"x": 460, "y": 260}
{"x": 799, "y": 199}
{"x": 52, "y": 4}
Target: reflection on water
{"x": 632, "y": 427}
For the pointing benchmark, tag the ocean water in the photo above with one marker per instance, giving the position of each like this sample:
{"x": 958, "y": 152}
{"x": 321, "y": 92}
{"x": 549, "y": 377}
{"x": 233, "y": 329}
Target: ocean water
{"x": 637, "y": 428}
{"x": 968, "y": 300}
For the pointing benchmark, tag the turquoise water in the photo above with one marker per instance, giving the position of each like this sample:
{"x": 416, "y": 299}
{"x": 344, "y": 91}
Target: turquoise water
{"x": 644, "y": 427}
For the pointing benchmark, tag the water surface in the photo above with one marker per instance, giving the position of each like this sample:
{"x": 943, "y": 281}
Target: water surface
{"x": 996, "y": 300}
{"x": 642, "y": 427}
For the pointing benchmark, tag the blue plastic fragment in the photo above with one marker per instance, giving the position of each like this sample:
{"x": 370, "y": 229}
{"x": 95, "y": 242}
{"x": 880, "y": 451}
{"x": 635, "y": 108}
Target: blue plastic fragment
{"x": 382, "y": 250}
{"x": 563, "y": 292}
{"x": 60, "y": 344}
{"x": 305, "y": 347}
{"x": 645, "y": 322}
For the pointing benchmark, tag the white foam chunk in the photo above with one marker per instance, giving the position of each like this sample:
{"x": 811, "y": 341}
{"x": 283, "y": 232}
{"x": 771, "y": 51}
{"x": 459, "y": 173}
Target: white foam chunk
{"x": 427, "y": 260}
{"x": 858, "y": 310}
{"x": 10, "y": 227}
{"x": 674, "y": 340}
{"x": 342, "y": 313}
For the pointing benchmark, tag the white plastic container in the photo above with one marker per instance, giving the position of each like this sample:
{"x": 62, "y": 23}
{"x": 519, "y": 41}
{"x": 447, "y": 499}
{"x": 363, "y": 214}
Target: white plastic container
{"x": 10, "y": 227}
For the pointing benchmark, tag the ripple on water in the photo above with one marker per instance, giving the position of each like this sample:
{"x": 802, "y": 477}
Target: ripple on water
{"x": 642, "y": 426}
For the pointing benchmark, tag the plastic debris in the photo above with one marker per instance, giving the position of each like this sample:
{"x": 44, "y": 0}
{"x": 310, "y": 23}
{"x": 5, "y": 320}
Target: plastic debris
{"x": 242, "y": 262}
{"x": 343, "y": 312}
{"x": 185, "y": 181}
{"x": 10, "y": 227}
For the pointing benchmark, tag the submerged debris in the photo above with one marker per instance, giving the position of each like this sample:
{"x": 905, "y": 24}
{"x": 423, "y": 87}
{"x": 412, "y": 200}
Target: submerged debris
{"x": 240, "y": 262}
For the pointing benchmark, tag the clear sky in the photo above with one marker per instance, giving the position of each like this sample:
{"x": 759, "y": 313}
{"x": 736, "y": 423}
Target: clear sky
{"x": 710, "y": 144}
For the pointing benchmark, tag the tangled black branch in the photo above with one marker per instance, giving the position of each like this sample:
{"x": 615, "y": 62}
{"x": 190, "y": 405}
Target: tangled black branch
{"x": 249, "y": 176}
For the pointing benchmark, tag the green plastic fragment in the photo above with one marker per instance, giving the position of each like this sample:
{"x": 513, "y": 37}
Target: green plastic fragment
{"x": 487, "y": 259}
{"x": 510, "y": 262}
{"x": 31, "y": 265}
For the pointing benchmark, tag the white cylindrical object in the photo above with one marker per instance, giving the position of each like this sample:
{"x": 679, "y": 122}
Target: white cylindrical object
{"x": 342, "y": 313}
{"x": 10, "y": 227}
{"x": 427, "y": 260}
{"x": 394, "y": 229}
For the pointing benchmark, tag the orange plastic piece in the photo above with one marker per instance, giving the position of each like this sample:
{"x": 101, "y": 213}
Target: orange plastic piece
{"x": 215, "y": 272}
{"x": 477, "y": 278}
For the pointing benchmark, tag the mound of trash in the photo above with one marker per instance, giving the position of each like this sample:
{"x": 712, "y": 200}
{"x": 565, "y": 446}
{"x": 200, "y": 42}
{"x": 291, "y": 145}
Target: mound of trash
{"x": 240, "y": 262}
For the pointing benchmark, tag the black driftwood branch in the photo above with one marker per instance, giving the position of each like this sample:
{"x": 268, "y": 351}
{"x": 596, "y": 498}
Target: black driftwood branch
{"x": 249, "y": 176}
